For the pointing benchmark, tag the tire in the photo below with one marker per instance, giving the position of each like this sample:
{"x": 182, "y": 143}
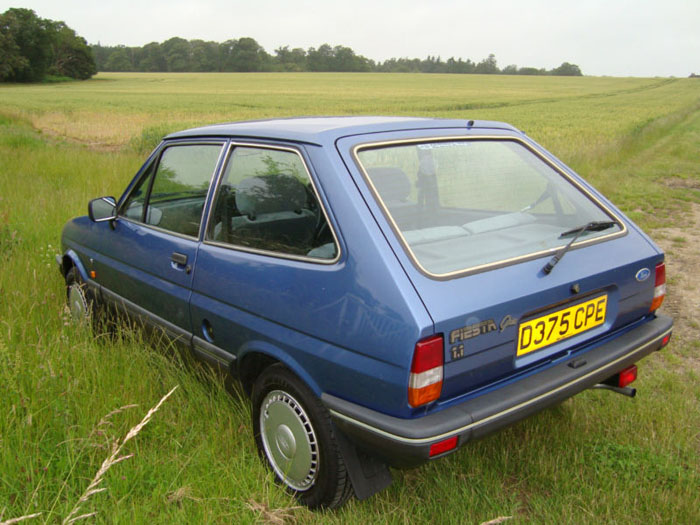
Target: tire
{"x": 294, "y": 437}
{"x": 78, "y": 302}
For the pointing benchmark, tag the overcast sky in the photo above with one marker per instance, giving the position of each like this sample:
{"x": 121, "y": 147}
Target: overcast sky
{"x": 604, "y": 37}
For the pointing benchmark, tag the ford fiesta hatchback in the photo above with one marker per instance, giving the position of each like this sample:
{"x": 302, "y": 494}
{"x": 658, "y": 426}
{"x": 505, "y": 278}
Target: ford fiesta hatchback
{"x": 385, "y": 289}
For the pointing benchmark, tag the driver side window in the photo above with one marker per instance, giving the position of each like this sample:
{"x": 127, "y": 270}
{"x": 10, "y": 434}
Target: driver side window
{"x": 172, "y": 191}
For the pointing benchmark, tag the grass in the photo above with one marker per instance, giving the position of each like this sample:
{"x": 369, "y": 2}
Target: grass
{"x": 595, "y": 458}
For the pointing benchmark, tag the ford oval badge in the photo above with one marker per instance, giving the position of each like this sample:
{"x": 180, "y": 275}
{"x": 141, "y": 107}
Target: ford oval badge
{"x": 643, "y": 274}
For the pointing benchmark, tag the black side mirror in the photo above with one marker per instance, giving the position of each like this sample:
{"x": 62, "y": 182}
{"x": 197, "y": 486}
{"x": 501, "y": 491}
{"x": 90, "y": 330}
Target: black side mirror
{"x": 102, "y": 209}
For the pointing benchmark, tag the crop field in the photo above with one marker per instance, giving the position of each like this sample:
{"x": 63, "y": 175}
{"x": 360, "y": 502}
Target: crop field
{"x": 68, "y": 395}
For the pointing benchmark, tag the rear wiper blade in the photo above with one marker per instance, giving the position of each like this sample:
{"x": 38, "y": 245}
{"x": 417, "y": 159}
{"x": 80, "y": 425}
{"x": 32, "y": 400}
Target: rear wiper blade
{"x": 594, "y": 226}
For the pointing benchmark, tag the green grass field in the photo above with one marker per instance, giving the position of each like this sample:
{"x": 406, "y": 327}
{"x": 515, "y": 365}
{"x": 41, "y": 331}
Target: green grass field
{"x": 597, "y": 458}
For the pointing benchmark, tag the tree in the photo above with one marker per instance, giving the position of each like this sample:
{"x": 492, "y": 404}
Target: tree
{"x": 152, "y": 58}
{"x": 204, "y": 56}
{"x": 245, "y": 54}
{"x": 319, "y": 59}
{"x": 459, "y": 66}
{"x": 531, "y": 71}
{"x": 11, "y": 59}
{"x": 119, "y": 60}
{"x": 568, "y": 70}
{"x": 101, "y": 54}
{"x": 30, "y": 56}
{"x": 344, "y": 59}
{"x": 487, "y": 65}
{"x": 32, "y": 47}
{"x": 177, "y": 54}
{"x": 291, "y": 60}
{"x": 71, "y": 56}
{"x": 433, "y": 65}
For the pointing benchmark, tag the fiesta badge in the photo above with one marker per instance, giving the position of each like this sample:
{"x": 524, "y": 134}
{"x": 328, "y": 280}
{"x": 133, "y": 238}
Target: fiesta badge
{"x": 643, "y": 274}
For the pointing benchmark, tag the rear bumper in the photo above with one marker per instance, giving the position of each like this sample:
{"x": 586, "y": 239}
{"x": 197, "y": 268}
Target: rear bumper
{"x": 406, "y": 442}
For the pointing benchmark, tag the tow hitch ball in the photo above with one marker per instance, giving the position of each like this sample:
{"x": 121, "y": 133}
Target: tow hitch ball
{"x": 618, "y": 383}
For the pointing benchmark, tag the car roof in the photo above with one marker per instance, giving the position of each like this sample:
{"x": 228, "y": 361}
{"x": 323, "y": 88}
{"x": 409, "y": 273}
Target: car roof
{"x": 317, "y": 130}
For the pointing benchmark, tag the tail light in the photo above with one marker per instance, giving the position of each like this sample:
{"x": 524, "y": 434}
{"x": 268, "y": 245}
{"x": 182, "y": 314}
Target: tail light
{"x": 623, "y": 378}
{"x": 659, "y": 287}
{"x": 665, "y": 340}
{"x": 425, "y": 381}
{"x": 443, "y": 446}
{"x": 628, "y": 375}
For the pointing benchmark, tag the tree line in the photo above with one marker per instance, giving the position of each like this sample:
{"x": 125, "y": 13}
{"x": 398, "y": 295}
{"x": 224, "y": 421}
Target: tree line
{"x": 34, "y": 48}
{"x": 246, "y": 54}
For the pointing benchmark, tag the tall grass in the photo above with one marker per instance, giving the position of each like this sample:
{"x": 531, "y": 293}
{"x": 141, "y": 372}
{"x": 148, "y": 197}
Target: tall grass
{"x": 595, "y": 458}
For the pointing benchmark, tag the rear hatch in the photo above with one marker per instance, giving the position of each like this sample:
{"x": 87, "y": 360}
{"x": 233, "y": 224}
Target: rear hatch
{"x": 475, "y": 218}
{"x": 506, "y": 322}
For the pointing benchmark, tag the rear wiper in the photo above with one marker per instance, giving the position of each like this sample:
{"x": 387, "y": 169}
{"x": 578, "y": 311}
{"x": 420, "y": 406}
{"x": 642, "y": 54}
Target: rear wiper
{"x": 594, "y": 226}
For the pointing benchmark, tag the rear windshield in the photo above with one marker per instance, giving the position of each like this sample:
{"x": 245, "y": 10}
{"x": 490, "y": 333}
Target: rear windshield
{"x": 461, "y": 205}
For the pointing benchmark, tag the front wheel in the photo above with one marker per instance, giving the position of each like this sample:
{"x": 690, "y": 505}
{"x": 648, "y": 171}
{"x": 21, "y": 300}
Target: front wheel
{"x": 77, "y": 301}
{"x": 294, "y": 436}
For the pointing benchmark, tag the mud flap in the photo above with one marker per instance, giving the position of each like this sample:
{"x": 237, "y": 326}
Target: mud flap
{"x": 367, "y": 474}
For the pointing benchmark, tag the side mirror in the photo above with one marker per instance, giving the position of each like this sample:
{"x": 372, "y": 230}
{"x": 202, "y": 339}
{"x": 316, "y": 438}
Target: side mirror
{"x": 102, "y": 209}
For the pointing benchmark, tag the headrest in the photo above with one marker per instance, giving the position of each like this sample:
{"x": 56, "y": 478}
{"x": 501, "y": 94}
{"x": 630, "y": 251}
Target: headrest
{"x": 270, "y": 194}
{"x": 391, "y": 183}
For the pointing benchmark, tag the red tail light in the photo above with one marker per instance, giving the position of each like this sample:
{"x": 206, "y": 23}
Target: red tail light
{"x": 425, "y": 381}
{"x": 443, "y": 446}
{"x": 628, "y": 375}
{"x": 659, "y": 287}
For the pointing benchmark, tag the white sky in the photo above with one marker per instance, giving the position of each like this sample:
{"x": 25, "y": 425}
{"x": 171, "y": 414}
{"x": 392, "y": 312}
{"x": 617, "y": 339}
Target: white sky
{"x": 604, "y": 37}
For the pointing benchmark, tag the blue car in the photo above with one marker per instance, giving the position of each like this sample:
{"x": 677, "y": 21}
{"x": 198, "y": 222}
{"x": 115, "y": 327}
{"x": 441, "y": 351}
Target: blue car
{"x": 385, "y": 289}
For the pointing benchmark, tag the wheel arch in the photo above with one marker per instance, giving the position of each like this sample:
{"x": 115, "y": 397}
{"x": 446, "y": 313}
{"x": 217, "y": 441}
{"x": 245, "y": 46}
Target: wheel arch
{"x": 70, "y": 260}
{"x": 254, "y": 359}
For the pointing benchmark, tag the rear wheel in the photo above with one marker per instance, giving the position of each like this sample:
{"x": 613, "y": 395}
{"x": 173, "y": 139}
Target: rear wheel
{"x": 293, "y": 434}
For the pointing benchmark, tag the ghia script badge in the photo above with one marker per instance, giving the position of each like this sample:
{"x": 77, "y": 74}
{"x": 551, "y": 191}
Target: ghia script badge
{"x": 643, "y": 274}
{"x": 474, "y": 330}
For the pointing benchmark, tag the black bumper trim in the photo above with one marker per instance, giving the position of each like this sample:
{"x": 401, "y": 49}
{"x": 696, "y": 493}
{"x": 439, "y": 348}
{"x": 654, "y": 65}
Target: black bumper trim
{"x": 403, "y": 439}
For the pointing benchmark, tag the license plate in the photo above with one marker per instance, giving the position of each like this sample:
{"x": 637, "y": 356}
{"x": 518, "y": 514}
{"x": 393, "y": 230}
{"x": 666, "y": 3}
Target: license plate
{"x": 555, "y": 326}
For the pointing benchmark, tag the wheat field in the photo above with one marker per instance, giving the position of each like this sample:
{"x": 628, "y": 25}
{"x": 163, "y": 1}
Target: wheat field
{"x": 595, "y": 458}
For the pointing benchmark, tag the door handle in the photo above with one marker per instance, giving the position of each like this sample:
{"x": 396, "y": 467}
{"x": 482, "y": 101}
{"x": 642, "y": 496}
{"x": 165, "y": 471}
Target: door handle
{"x": 180, "y": 262}
{"x": 179, "y": 258}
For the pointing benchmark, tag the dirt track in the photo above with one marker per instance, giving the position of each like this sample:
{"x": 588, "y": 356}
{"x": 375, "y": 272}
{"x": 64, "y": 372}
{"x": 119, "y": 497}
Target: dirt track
{"x": 682, "y": 247}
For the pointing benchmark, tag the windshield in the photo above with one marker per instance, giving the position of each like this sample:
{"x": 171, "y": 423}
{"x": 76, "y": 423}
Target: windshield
{"x": 463, "y": 204}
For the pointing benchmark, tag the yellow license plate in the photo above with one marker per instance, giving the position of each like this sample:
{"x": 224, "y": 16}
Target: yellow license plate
{"x": 555, "y": 326}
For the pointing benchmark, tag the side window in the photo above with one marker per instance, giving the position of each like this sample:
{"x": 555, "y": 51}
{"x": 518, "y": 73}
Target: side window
{"x": 172, "y": 195}
{"x": 134, "y": 207}
{"x": 266, "y": 202}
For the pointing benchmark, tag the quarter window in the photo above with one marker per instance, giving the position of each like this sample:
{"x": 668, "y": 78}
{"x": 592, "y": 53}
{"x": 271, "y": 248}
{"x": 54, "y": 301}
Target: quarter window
{"x": 266, "y": 201}
{"x": 171, "y": 194}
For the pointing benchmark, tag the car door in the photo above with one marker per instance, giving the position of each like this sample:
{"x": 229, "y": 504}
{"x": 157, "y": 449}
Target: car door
{"x": 268, "y": 248}
{"x": 151, "y": 249}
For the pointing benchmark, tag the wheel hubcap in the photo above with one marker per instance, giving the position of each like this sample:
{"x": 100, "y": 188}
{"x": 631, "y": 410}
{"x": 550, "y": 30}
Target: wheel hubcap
{"x": 77, "y": 303}
{"x": 289, "y": 440}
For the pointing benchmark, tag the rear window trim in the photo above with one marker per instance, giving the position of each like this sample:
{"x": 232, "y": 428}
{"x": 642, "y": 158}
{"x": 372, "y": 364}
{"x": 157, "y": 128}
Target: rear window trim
{"x": 496, "y": 264}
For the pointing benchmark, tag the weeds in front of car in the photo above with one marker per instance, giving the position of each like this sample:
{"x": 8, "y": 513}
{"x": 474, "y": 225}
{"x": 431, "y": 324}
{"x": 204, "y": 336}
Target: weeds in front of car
{"x": 115, "y": 457}
{"x": 596, "y": 458}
